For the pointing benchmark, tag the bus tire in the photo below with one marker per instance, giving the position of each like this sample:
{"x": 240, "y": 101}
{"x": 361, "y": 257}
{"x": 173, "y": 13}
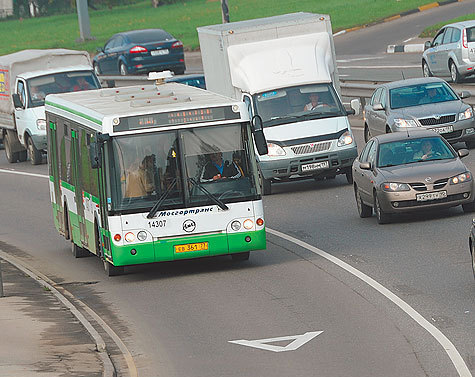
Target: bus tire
{"x": 240, "y": 257}
{"x": 78, "y": 252}
{"x": 112, "y": 270}
{"x": 36, "y": 157}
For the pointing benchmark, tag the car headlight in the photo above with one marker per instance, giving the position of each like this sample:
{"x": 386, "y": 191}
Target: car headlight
{"x": 464, "y": 177}
{"x": 41, "y": 124}
{"x": 467, "y": 114}
{"x": 395, "y": 187}
{"x": 275, "y": 150}
{"x": 345, "y": 139}
{"x": 404, "y": 123}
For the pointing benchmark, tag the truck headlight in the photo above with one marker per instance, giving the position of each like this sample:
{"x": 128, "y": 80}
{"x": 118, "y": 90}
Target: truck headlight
{"x": 395, "y": 187}
{"x": 467, "y": 114}
{"x": 404, "y": 123}
{"x": 345, "y": 139}
{"x": 41, "y": 124}
{"x": 464, "y": 177}
{"x": 275, "y": 150}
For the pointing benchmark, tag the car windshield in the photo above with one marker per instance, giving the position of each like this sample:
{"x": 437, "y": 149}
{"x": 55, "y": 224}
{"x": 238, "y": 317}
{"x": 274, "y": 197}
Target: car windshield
{"x": 421, "y": 94}
{"x": 299, "y": 102}
{"x": 146, "y": 36}
{"x": 64, "y": 82}
{"x": 410, "y": 151}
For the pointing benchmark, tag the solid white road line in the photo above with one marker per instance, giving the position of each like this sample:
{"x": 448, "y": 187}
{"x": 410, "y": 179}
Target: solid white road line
{"x": 446, "y": 344}
{"x": 23, "y": 173}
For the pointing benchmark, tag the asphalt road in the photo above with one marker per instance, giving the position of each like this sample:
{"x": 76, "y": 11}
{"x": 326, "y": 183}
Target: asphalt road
{"x": 177, "y": 319}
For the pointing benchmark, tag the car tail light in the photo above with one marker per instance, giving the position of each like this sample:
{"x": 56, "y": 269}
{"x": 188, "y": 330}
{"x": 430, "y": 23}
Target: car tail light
{"x": 177, "y": 44}
{"x": 464, "y": 38}
{"x": 137, "y": 50}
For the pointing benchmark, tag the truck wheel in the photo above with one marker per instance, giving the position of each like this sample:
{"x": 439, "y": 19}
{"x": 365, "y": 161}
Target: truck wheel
{"x": 35, "y": 155}
{"x": 23, "y": 156}
{"x": 12, "y": 157}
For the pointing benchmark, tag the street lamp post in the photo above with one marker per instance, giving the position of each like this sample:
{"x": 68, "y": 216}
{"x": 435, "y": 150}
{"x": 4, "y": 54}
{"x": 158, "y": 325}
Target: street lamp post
{"x": 83, "y": 18}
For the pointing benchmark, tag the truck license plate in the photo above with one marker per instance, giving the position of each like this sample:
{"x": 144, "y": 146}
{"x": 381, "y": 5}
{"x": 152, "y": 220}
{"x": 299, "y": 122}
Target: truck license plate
{"x": 315, "y": 166}
{"x": 431, "y": 196}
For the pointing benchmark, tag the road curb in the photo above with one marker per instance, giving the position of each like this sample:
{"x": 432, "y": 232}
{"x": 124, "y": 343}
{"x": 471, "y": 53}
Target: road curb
{"x": 419, "y": 47}
{"x": 109, "y": 370}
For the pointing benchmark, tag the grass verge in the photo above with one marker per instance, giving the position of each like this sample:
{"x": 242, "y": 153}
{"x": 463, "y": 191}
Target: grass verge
{"x": 432, "y": 30}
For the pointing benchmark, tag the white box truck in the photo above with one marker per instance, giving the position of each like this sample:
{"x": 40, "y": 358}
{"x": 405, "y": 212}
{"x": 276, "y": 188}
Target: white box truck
{"x": 26, "y": 78}
{"x": 284, "y": 68}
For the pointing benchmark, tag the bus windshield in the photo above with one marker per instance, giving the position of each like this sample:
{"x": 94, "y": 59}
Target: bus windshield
{"x": 211, "y": 163}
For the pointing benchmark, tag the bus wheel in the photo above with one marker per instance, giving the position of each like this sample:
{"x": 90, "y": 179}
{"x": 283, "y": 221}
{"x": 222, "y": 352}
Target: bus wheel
{"x": 78, "y": 252}
{"x": 35, "y": 155}
{"x": 240, "y": 257}
{"x": 112, "y": 270}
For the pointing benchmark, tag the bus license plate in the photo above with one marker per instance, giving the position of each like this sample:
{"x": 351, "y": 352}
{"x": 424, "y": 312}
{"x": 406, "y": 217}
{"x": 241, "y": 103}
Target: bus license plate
{"x": 431, "y": 196}
{"x": 315, "y": 166}
{"x": 191, "y": 247}
{"x": 443, "y": 130}
{"x": 159, "y": 52}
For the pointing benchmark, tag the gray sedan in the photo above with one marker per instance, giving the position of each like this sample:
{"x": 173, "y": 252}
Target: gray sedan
{"x": 424, "y": 102}
{"x": 410, "y": 171}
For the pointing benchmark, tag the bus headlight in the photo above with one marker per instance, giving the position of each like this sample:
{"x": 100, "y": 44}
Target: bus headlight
{"x": 129, "y": 237}
{"x": 142, "y": 235}
{"x": 248, "y": 224}
{"x": 235, "y": 225}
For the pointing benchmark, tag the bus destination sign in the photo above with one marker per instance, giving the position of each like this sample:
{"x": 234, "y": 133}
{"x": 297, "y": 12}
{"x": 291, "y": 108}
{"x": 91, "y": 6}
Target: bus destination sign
{"x": 207, "y": 114}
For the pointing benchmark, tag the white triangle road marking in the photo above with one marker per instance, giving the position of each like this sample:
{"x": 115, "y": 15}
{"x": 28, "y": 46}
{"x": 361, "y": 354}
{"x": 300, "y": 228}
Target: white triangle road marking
{"x": 297, "y": 342}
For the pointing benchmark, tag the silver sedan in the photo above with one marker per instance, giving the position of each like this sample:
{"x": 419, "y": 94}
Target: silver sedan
{"x": 424, "y": 102}
{"x": 410, "y": 171}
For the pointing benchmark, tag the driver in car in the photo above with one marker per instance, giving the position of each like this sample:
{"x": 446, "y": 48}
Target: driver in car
{"x": 217, "y": 168}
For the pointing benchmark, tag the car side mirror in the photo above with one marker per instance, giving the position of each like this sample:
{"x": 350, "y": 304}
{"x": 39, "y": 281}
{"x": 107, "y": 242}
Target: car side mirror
{"x": 365, "y": 166}
{"x": 427, "y": 44}
{"x": 100, "y": 49}
{"x": 463, "y": 152}
{"x": 378, "y": 107}
{"x": 259, "y": 137}
{"x": 17, "y": 101}
{"x": 355, "y": 107}
{"x": 465, "y": 94}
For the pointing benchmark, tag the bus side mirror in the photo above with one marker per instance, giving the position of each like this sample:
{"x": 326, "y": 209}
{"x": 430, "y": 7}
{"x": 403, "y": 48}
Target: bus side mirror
{"x": 95, "y": 155}
{"x": 259, "y": 137}
{"x": 17, "y": 101}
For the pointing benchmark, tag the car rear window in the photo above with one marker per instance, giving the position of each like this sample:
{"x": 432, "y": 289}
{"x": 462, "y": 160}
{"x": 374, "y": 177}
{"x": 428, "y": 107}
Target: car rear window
{"x": 471, "y": 34}
{"x": 147, "y": 36}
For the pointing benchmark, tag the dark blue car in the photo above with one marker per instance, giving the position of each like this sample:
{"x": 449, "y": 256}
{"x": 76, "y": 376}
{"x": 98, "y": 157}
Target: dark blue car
{"x": 140, "y": 51}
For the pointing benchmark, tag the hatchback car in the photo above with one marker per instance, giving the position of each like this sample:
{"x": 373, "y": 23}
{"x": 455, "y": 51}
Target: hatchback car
{"x": 140, "y": 51}
{"x": 452, "y": 52}
{"x": 423, "y": 102}
{"x": 410, "y": 171}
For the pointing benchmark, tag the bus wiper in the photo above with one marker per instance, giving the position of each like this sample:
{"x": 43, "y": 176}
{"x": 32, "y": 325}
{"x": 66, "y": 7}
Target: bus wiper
{"x": 217, "y": 201}
{"x": 160, "y": 201}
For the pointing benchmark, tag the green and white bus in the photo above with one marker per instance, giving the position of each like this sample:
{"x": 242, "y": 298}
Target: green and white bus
{"x": 133, "y": 174}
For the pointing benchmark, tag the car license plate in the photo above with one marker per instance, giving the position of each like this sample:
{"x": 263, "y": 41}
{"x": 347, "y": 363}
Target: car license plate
{"x": 159, "y": 52}
{"x": 191, "y": 247}
{"x": 443, "y": 130}
{"x": 431, "y": 196}
{"x": 315, "y": 166}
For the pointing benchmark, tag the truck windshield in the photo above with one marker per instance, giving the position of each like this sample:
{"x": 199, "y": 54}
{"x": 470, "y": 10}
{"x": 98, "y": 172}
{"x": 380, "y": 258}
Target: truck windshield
{"x": 302, "y": 102}
{"x": 211, "y": 163}
{"x": 63, "y": 82}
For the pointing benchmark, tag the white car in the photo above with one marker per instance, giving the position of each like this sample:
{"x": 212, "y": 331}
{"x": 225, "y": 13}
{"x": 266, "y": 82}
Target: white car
{"x": 452, "y": 52}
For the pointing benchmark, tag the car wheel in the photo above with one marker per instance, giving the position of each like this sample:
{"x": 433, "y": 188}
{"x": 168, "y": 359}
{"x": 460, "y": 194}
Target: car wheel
{"x": 349, "y": 176}
{"x": 469, "y": 207}
{"x": 388, "y": 129}
{"x": 35, "y": 155}
{"x": 454, "y": 72}
{"x": 425, "y": 69}
{"x": 97, "y": 71}
{"x": 363, "y": 209}
{"x": 265, "y": 184}
{"x": 472, "y": 251}
{"x": 123, "y": 69}
{"x": 179, "y": 71}
{"x": 381, "y": 216}
{"x": 470, "y": 144}
{"x": 367, "y": 134}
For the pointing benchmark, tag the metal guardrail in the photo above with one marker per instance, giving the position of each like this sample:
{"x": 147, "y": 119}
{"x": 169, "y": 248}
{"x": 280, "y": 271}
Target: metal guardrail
{"x": 349, "y": 88}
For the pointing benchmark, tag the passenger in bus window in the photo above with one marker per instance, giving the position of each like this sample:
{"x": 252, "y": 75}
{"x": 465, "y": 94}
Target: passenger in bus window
{"x": 216, "y": 168}
{"x": 139, "y": 180}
